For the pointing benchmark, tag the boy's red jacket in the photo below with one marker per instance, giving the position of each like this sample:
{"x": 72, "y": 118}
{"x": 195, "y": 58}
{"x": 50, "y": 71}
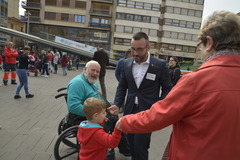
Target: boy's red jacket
{"x": 10, "y": 55}
{"x": 94, "y": 141}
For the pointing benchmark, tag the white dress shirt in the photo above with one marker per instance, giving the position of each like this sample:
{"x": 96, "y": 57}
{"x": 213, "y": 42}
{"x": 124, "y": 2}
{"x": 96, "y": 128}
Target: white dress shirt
{"x": 139, "y": 71}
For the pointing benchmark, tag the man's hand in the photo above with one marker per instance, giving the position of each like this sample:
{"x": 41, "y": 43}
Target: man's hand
{"x": 114, "y": 110}
{"x": 118, "y": 125}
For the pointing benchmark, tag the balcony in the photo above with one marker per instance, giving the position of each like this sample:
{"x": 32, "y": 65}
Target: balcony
{"x": 31, "y": 19}
{"x": 30, "y": 5}
{"x": 103, "y": 1}
{"x": 101, "y": 12}
{"x": 100, "y": 25}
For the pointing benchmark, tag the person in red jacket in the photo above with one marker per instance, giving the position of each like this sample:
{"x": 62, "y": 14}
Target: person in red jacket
{"x": 93, "y": 139}
{"x": 10, "y": 54}
{"x": 204, "y": 106}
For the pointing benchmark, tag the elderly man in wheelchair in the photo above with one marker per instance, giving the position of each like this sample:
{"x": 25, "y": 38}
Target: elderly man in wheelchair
{"x": 80, "y": 88}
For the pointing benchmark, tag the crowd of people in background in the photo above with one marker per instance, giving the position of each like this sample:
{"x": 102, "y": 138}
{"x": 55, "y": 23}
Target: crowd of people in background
{"x": 42, "y": 63}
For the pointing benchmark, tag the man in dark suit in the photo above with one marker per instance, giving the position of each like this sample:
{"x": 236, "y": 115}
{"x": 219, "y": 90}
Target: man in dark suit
{"x": 142, "y": 77}
{"x": 102, "y": 58}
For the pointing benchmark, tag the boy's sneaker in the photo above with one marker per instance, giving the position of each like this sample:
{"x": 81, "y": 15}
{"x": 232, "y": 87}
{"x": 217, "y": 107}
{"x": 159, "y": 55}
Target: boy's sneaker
{"x": 29, "y": 96}
{"x": 17, "y": 97}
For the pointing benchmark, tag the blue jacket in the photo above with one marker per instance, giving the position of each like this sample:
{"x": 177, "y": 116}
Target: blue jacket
{"x": 78, "y": 91}
{"x": 148, "y": 91}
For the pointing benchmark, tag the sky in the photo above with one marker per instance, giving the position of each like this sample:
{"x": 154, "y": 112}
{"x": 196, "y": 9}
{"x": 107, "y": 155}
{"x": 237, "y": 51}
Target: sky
{"x": 209, "y": 6}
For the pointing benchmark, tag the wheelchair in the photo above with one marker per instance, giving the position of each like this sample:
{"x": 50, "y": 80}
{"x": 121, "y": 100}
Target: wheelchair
{"x": 67, "y": 145}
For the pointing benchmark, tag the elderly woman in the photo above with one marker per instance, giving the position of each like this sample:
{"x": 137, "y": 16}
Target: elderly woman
{"x": 204, "y": 106}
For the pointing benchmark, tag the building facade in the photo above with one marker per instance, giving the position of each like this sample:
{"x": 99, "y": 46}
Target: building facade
{"x": 3, "y": 21}
{"x": 172, "y": 25}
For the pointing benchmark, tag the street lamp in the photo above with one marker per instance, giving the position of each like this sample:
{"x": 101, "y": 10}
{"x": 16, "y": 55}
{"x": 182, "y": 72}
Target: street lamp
{"x": 28, "y": 14}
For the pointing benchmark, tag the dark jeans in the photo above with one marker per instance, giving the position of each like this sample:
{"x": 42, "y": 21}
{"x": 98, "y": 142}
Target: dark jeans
{"x": 45, "y": 68}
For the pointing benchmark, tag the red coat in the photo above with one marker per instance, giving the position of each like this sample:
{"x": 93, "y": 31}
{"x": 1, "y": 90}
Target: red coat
{"x": 204, "y": 108}
{"x": 10, "y": 55}
{"x": 95, "y": 141}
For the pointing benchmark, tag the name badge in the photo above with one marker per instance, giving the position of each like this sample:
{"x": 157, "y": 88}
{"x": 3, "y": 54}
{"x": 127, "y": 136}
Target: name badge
{"x": 151, "y": 76}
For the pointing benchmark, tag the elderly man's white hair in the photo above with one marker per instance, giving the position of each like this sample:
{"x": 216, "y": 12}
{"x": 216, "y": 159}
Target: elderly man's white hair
{"x": 90, "y": 63}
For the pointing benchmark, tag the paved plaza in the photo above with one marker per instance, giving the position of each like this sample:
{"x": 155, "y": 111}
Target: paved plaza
{"x": 29, "y": 126}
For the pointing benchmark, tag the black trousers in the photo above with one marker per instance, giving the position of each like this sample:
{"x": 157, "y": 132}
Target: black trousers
{"x": 139, "y": 143}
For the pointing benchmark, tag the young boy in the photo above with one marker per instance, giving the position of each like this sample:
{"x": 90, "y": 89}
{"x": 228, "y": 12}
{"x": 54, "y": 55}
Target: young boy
{"x": 93, "y": 139}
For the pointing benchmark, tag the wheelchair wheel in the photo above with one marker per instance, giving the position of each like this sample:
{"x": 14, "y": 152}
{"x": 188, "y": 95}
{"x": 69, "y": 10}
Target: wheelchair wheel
{"x": 61, "y": 126}
{"x": 67, "y": 144}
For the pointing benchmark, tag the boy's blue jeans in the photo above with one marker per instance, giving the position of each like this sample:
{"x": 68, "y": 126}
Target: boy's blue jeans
{"x": 23, "y": 79}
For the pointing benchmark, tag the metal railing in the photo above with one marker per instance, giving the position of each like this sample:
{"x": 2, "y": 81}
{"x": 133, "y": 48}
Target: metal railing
{"x": 100, "y": 11}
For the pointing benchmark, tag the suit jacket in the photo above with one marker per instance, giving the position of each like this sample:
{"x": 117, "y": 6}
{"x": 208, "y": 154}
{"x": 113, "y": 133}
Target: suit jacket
{"x": 148, "y": 91}
{"x": 102, "y": 58}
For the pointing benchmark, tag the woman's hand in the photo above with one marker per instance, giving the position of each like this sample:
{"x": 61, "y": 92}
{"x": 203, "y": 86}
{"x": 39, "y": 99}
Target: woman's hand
{"x": 114, "y": 110}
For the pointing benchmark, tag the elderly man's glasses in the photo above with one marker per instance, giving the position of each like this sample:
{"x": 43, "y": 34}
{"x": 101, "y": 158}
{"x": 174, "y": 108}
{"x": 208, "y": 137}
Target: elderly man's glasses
{"x": 138, "y": 49}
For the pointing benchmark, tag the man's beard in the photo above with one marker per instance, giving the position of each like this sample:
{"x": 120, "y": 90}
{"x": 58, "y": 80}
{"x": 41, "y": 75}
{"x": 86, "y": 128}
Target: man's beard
{"x": 89, "y": 79}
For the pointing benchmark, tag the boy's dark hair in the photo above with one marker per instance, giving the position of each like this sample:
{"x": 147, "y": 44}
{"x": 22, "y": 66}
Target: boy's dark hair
{"x": 141, "y": 35}
{"x": 93, "y": 105}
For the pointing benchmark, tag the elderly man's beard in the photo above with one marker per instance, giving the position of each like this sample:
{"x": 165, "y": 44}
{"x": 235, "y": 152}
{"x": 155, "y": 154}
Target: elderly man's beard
{"x": 90, "y": 78}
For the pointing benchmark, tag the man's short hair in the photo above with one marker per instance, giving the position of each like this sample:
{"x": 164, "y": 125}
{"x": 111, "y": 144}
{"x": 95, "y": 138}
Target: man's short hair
{"x": 99, "y": 45}
{"x": 93, "y": 105}
{"x": 141, "y": 35}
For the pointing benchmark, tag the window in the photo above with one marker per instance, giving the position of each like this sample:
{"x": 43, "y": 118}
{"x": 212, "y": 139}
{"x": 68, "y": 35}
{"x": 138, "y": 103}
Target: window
{"x": 174, "y": 35}
{"x": 193, "y": 1}
{"x": 178, "y": 48}
{"x": 126, "y": 42}
{"x": 118, "y": 41}
{"x": 153, "y": 32}
{"x": 175, "y": 22}
{"x": 139, "y": 5}
{"x": 197, "y": 25}
{"x": 104, "y": 21}
{"x": 95, "y": 20}
{"x": 147, "y": 6}
{"x": 79, "y": 18}
{"x": 64, "y": 17}
{"x": 189, "y": 24}
{"x": 130, "y": 4}
{"x": 137, "y": 18}
{"x": 145, "y": 19}
{"x": 156, "y": 7}
{"x": 65, "y": 3}
{"x": 191, "y": 12}
{"x": 192, "y": 49}
{"x": 50, "y": 15}
{"x": 169, "y": 9}
{"x": 171, "y": 47}
{"x": 195, "y": 38}
{"x": 185, "y": 49}
{"x": 129, "y": 17}
{"x": 145, "y": 30}
{"x": 80, "y": 4}
{"x": 182, "y": 24}
{"x": 198, "y": 13}
{"x": 188, "y": 37}
{"x": 119, "y": 28}
{"x": 128, "y": 30}
{"x": 176, "y": 10}
{"x": 200, "y": 2}
{"x": 184, "y": 11}
{"x": 122, "y": 3}
{"x": 136, "y": 30}
{"x": 154, "y": 20}
{"x": 166, "y": 34}
{"x": 168, "y": 22}
{"x": 51, "y": 3}
{"x": 120, "y": 15}
{"x": 181, "y": 36}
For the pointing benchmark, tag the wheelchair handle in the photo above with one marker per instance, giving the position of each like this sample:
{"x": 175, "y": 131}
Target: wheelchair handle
{"x": 61, "y": 89}
{"x": 60, "y": 95}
